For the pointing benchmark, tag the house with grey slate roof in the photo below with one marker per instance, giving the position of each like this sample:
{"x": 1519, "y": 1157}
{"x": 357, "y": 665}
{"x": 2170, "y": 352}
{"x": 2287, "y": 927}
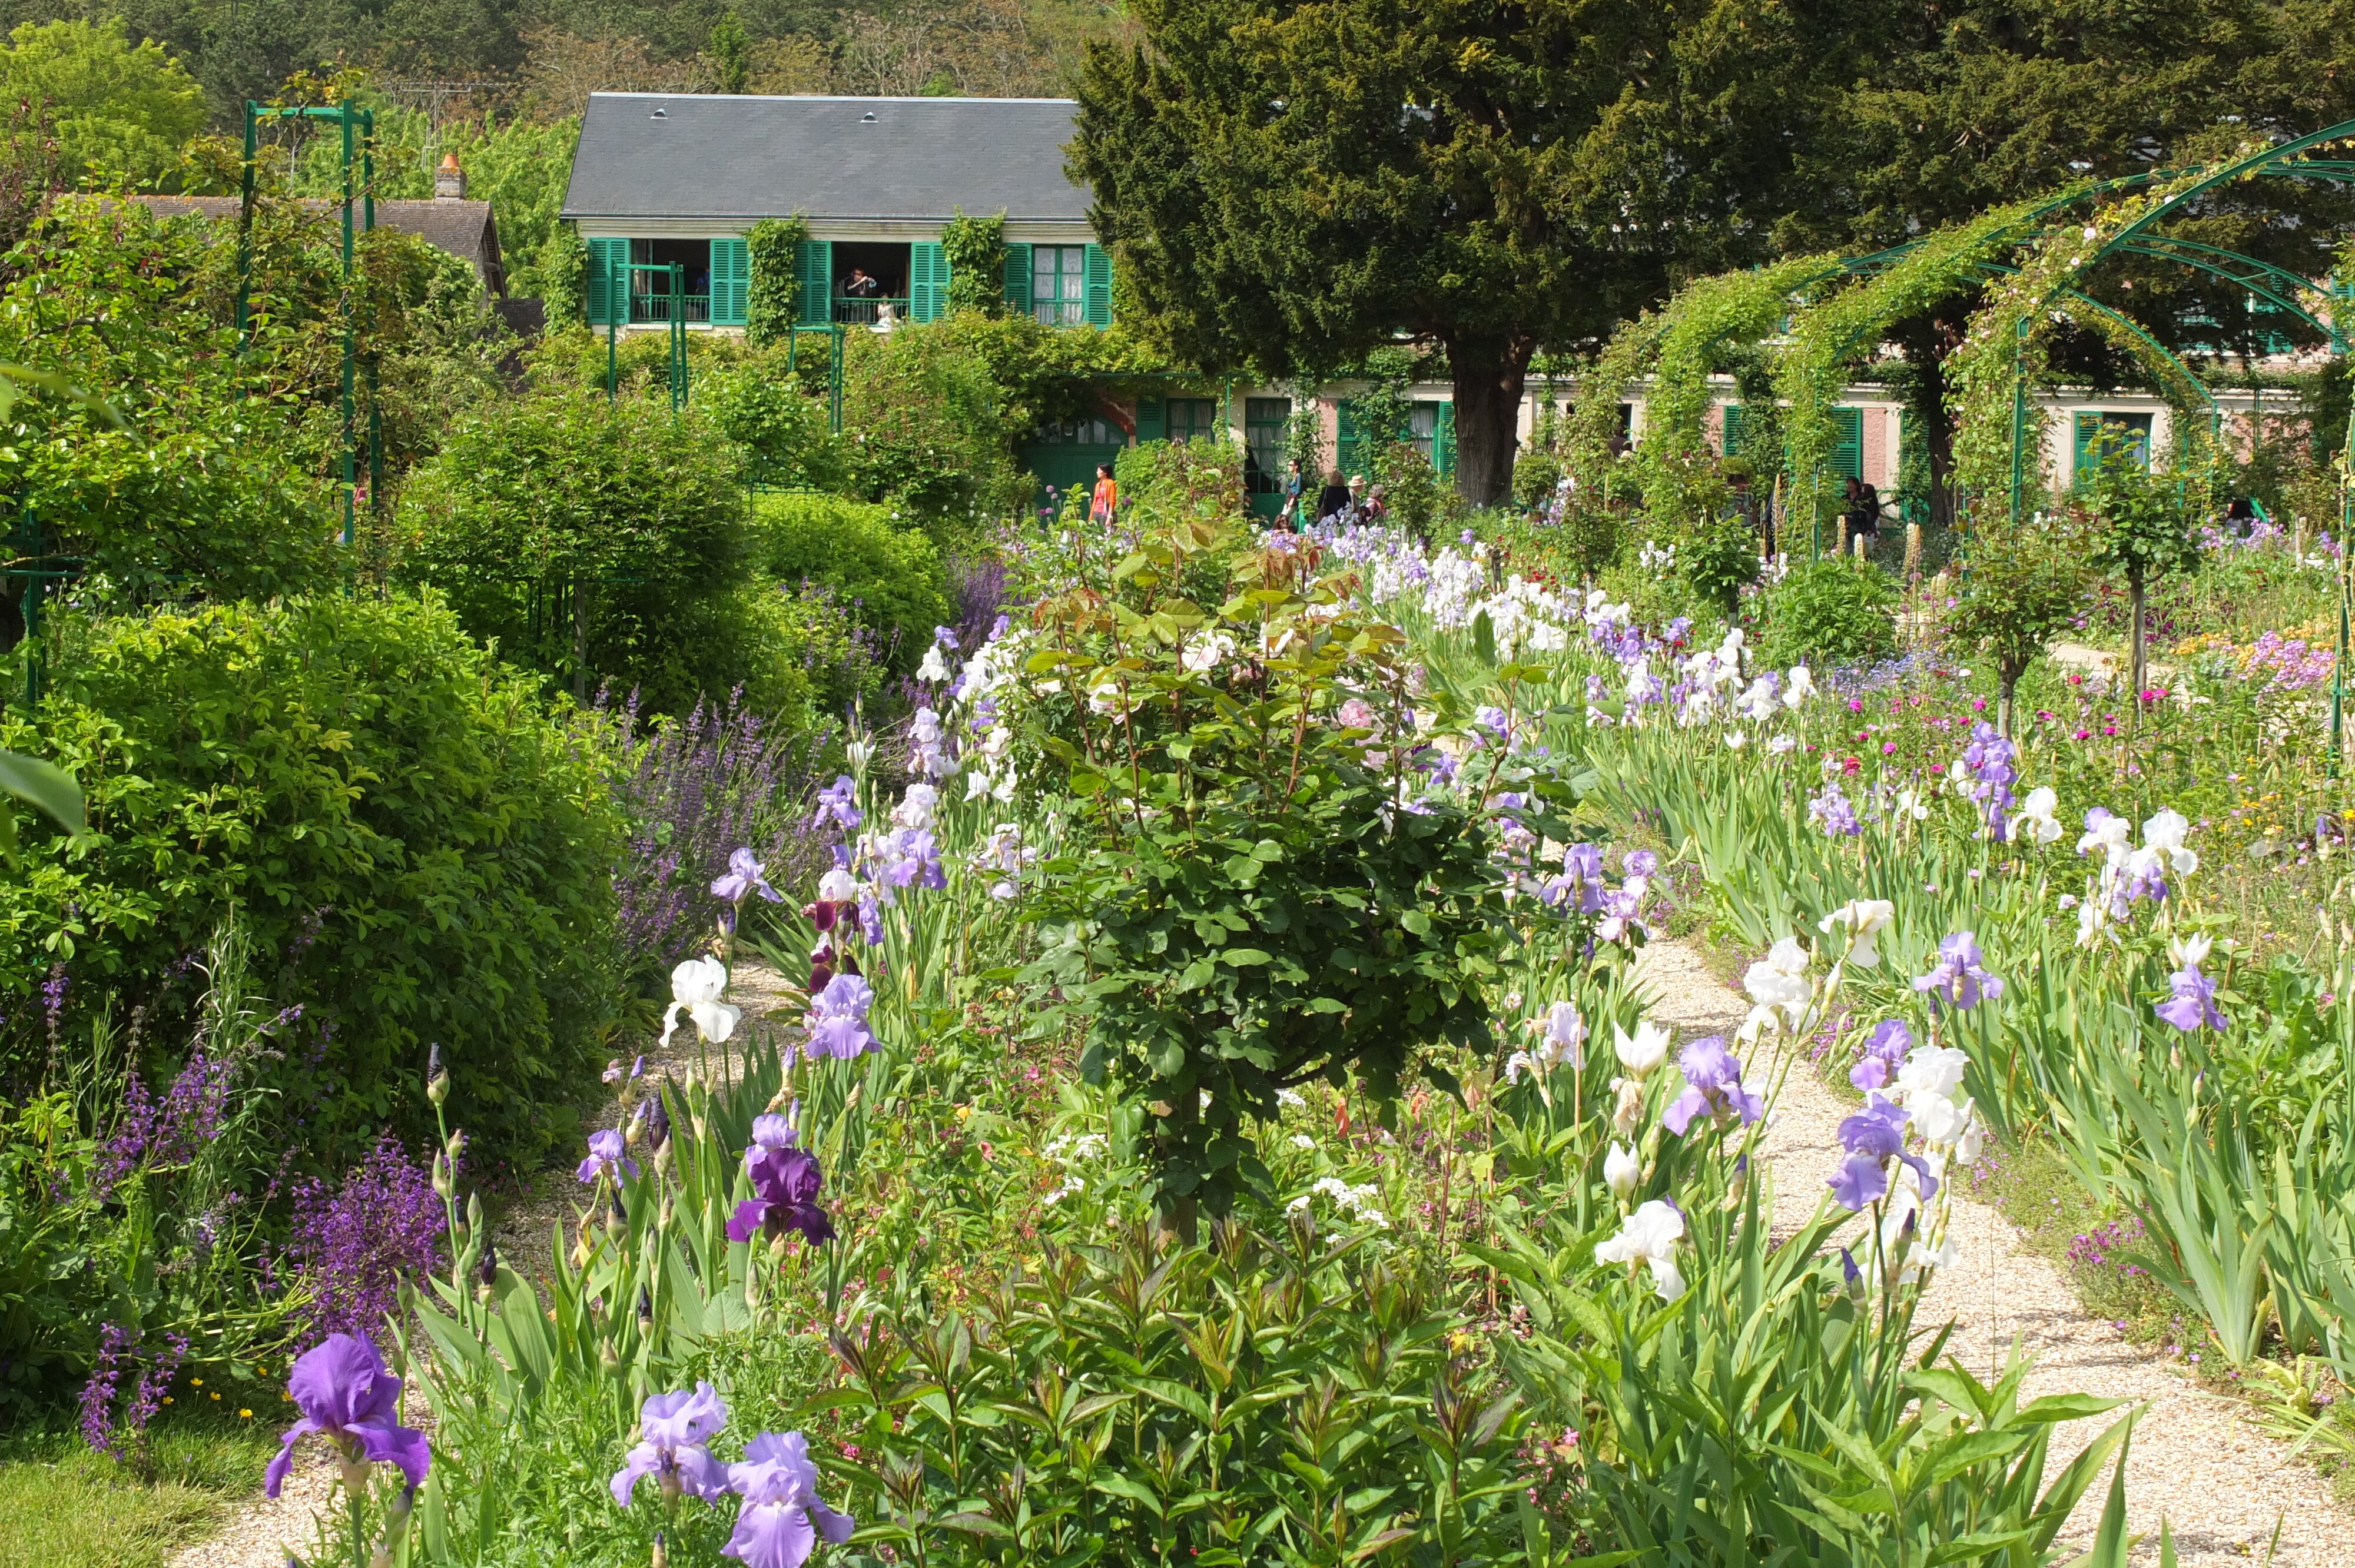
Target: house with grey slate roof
{"x": 663, "y": 178}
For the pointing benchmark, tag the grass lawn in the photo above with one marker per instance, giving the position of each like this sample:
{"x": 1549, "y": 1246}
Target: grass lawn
{"x": 62, "y": 1506}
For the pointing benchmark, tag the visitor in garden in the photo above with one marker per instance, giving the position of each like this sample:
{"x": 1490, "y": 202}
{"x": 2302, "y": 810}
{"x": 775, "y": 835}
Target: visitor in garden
{"x": 1752, "y": 508}
{"x": 1106, "y": 502}
{"x": 1863, "y": 509}
{"x": 1333, "y": 497}
{"x": 1294, "y": 484}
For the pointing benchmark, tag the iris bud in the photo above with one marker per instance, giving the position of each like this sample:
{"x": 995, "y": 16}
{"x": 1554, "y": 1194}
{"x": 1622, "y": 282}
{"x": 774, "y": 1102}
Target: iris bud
{"x": 437, "y": 1078}
{"x": 442, "y": 1184}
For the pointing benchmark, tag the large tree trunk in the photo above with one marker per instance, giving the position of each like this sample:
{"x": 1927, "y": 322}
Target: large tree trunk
{"x": 1490, "y": 377}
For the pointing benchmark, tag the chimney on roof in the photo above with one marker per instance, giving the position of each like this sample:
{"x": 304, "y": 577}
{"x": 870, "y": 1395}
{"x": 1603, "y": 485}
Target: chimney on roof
{"x": 449, "y": 180}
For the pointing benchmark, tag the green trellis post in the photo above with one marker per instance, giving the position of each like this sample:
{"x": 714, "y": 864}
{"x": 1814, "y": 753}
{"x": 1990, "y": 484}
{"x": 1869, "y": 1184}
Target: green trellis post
{"x": 358, "y": 128}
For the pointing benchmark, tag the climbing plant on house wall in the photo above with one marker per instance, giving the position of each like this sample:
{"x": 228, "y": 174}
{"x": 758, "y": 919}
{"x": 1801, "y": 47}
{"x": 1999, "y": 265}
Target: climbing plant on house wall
{"x": 772, "y": 302}
{"x": 976, "y": 247}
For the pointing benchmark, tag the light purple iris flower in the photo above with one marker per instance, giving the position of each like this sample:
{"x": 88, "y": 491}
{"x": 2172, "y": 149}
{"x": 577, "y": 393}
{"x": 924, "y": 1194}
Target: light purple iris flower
{"x": 1873, "y": 1136}
{"x": 346, "y": 1395}
{"x": 605, "y": 1158}
{"x": 1883, "y": 1054}
{"x": 1712, "y": 1086}
{"x": 837, "y": 1025}
{"x": 2193, "y": 1005}
{"x": 781, "y": 1518}
{"x": 745, "y": 875}
{"x": 1958, "y": 980}
{"x": 837, "y": 803}
{"x": 672, "y": 1429}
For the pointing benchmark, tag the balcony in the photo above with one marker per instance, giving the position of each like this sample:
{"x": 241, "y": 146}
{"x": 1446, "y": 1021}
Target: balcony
{"x": 866, "y": 313}
{"x": 694, "y": 308}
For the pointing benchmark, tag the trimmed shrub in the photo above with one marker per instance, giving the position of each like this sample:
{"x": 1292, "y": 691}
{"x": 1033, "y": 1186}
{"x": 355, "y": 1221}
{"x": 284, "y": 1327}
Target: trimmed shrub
{"x": 419, "y": 852}
{"x": 887, "y": 577}
{"x": 564, "y": 525}
{"x": 1832, "y": 611}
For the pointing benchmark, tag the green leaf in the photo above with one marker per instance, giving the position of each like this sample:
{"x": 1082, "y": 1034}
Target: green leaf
{"x": 1241, "y": 957}
{"x": 43, "y": 786}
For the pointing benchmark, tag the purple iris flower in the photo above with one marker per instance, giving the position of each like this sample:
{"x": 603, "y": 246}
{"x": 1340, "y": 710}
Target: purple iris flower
{"x": 1581, "y": 873}
{"x": 916, "y": 860}
{"x": 1883, "y": 1054}
{"x": 946, "y": 637}
{"x": 1859, "y": 1180}
{"x": 781, "y": 1518}
{"x": 998, "y": 628}
{"x": 1712, "y": 1086}
{"x": 1878, "y": 1129}
{"x": 2193, "y": 1005}
{"x": 346, "y": 1395}
{"x": 785, "y": 1184}
{"x": 1958, "y": 980}
{"x": 1833, "y": 813}
{"x": 605, "y": 1158}
{"x": 744, "y": 875}
{"x": 672, "y": 1429}
{"x": 1990, "y": 758}
{"x": 837, "y": 1025}
{"x": 1640, "y": 863}
{"x": 837, "y": 803}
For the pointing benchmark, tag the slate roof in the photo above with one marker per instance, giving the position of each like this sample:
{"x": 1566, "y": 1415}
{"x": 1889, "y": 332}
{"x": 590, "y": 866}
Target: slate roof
{"x": 651, "y": 154}
{"x": 463, "y": 228}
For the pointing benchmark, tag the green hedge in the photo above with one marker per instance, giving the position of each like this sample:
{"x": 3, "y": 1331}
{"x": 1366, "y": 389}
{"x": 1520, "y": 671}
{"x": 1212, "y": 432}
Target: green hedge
{"x": 418, "y": 852}
{"x": 888, "y": 576}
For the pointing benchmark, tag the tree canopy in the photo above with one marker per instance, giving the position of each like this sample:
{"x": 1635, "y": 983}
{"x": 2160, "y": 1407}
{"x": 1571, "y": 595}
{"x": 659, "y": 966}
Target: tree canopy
{"x": 119, "y": 110}
{"x": 1289, "y": 185}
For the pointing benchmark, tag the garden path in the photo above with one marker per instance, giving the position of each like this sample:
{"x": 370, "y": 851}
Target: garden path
{"x": 2218, "y": 1482}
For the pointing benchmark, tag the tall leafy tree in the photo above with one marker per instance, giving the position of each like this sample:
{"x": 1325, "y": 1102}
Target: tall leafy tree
{"x": 1289, "y": 184}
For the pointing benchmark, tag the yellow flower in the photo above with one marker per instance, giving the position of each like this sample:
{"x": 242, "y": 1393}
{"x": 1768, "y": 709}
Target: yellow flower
{"x": 217, "y": 1396}
{"x": 195, "y": 1383}
{"x": 245, "y": 1415}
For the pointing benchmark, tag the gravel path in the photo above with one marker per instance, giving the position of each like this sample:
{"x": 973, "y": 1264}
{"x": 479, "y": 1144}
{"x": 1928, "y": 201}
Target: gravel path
{"x": 2218, "y": 1481}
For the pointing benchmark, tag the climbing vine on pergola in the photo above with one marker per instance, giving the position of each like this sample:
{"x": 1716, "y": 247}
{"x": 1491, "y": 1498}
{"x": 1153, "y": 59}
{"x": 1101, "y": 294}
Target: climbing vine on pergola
{"x": 1817, "y": 318}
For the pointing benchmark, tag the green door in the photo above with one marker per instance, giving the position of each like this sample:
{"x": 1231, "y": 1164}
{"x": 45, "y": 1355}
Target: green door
{"x": 1847, "y": 442}
{"x": 1064, "y": 458}
{"x": 1349, "y": 450}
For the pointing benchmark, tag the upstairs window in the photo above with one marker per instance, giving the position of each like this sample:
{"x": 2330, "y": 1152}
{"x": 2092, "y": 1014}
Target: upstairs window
{"x": 1059, "y": 284}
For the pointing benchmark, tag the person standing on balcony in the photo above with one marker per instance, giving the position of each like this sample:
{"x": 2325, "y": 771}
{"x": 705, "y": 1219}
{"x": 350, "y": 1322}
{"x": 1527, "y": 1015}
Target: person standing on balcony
{"x": 1106, "y": 503}
{"x": 861, "y": 286}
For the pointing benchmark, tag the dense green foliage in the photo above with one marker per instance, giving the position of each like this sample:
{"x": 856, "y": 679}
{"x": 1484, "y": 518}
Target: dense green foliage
{"x": 596, "y": 542}
{"x": 417, "y": 851}
{"x": 887, "y": 574}
{"x": 120, "y": 111}
{"x": 1838, "y": 610}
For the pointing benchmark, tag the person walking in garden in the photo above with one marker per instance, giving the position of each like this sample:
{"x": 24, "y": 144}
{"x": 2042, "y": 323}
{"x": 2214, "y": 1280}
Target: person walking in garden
{"x": 1105, "y": 504}
{"x": 1294, "y": 484}
{"x": 1863, "y": 506}
{"x": 1751, "y": 507}
{"x": 1333, "y": 497}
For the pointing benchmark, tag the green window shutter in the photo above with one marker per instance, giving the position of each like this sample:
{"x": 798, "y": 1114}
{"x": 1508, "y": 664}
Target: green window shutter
{"x": 1733, "y": 441}
{"x": 731, "y": 279}
{"x": 1443, "y": 443}
{"x": 1099, "y": 283}
{"x": 609, "y": 279}
{"x": 1152, "y": 420}
{"x": 1848, "y": 444}
{"x": 814, "y": 266}
{"x": 928, "y": 281}
{"x": 1348, "y": 440}
{"x": 1018, "y": 278}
